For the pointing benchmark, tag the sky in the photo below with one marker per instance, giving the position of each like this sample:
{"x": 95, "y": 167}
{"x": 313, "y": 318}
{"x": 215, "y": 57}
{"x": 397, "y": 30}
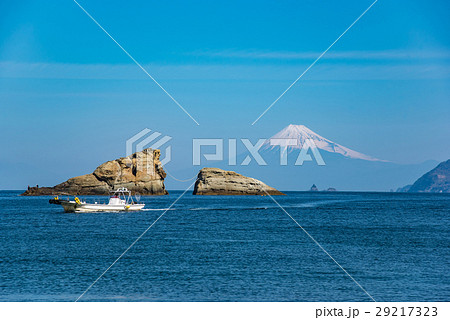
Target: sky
{"x": 70, "y": 97}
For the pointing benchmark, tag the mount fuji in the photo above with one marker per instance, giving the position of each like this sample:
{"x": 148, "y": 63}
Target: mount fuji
{"x": 342, "y": 168}
{"x": 301, "y": 134}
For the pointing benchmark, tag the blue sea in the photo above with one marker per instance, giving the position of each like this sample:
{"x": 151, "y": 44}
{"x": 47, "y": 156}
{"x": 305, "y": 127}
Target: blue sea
{"x": 230, "y": 248}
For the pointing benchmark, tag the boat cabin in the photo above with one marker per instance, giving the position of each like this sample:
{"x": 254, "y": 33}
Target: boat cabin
{"x": 121, "y": 196}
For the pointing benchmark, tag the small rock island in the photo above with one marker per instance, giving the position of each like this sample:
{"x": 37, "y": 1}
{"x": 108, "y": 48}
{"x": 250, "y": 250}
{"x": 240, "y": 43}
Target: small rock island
{"x": 214, "y": 181}
{"x": 140, "y": 173}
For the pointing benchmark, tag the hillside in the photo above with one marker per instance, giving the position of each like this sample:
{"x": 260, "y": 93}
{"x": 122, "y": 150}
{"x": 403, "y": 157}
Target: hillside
{"x": 436, "y": 180}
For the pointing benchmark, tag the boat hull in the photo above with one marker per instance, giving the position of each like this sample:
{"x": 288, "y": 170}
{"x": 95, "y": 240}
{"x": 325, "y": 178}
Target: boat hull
{"x": 72, "y": 206}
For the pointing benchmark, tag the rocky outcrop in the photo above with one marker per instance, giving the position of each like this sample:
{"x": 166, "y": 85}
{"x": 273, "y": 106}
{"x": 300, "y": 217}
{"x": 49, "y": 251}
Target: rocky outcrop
{"x": 214, "y": 181}
{"x": 436, "y": 180}
{"x": 140, "y": 173}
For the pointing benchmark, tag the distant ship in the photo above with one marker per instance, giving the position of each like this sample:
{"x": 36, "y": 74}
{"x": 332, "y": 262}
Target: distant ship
{"x": 120, "y": 200}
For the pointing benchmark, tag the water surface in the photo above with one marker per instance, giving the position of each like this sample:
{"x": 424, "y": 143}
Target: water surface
{"x": 222, "y": 248}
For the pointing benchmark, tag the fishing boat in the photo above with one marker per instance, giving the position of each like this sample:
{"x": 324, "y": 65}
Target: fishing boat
{"x": 120, "y": 200}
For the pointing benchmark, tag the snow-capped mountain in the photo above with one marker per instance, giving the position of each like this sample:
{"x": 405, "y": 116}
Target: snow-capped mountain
{"x": 345, "y": 169}
{"x": 301, "y": 133}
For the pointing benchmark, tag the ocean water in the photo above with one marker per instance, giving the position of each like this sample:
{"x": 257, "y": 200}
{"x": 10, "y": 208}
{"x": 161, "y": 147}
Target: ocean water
{"x": 222, "y": 248}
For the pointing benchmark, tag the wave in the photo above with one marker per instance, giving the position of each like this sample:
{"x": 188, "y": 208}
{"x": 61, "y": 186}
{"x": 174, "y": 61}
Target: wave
{"x": 229, "y": 208}
{"x": 313, "y": 204}
{"x": 316, "y": 203}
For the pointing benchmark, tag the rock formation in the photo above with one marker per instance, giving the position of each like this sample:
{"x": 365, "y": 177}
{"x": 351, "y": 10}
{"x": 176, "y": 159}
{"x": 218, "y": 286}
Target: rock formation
{"x": 436, "y": 180}
{"x": 214, "y": 181}
{"x": 141, "y": 173}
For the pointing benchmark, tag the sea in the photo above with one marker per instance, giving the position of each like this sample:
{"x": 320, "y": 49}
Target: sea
{"x": 305, "y": 246}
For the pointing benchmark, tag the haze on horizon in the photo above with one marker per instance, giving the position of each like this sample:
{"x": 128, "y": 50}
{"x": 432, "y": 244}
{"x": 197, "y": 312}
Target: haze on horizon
{"x": 70, "y": 98}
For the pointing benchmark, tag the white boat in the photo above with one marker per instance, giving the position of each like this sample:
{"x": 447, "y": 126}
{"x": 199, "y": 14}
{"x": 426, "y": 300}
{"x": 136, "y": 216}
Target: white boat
{"x": 120, "y": 200}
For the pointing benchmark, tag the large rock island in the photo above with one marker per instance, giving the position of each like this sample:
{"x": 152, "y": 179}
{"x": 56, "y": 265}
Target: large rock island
{"x": 214, "y": 181}
{"x": 436, "y": 180}
{"x": 141, "y": 173}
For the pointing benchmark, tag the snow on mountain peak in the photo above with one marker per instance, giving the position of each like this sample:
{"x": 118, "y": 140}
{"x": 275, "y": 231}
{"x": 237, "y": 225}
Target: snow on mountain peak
{"x": 302, "y": 133}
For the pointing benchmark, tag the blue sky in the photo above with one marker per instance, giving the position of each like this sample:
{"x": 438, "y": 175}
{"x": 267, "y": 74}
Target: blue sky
{"x": 70, "y": 98}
